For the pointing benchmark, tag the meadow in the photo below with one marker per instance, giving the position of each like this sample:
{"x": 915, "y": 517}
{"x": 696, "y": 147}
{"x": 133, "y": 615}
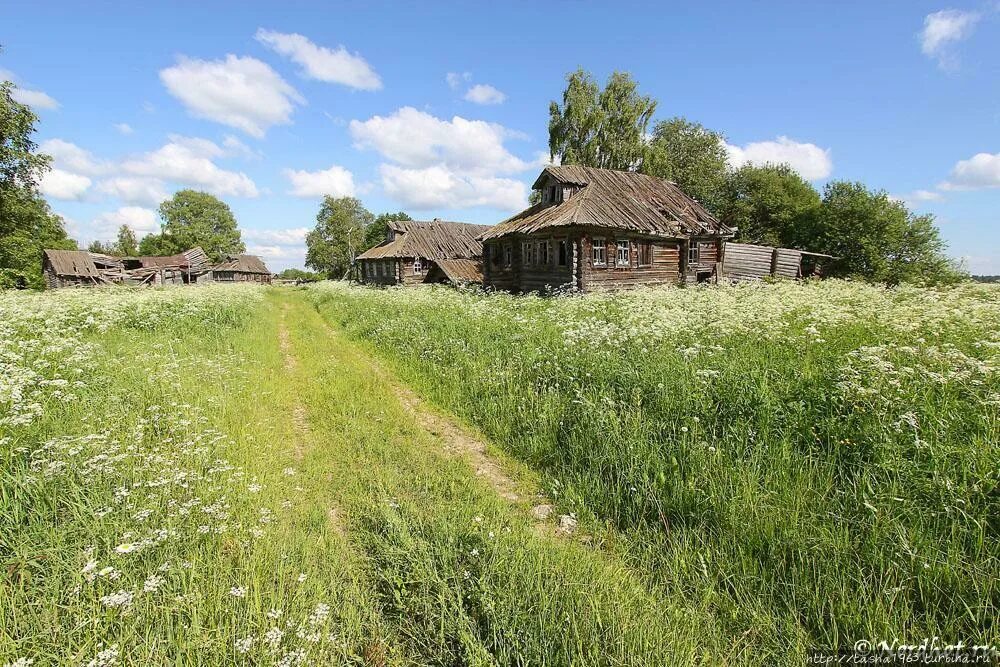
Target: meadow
{"x": 226, "y": 475}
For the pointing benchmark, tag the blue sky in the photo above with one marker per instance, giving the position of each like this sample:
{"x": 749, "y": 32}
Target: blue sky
{"x": 441, "y": 109}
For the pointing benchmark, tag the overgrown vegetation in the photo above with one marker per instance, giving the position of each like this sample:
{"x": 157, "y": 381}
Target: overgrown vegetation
{"x": 811, "y": 463}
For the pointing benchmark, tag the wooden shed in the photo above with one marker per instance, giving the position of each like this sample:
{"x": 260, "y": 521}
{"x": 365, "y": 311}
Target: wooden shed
{"x": 70, "y": 268}
{"x": 417, "y": 252}
{"x": 598, "y": 228}
{"x": 745, "y": 261}
{"x": 238, "y": 268}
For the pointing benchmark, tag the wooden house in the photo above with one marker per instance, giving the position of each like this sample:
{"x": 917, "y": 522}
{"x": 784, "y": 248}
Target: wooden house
{"x": 238, "y": 269}
{"x": 180, "y": 269}
{"x": 598, "y": 228}
{"x": 71, "y": 268}
{"x": 424, "y": 252}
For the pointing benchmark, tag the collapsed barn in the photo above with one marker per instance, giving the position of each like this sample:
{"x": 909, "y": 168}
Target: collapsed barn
{"x": 79, "y": 268}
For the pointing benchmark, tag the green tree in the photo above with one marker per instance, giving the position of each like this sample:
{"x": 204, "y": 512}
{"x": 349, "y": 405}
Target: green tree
{"x": 770, "y": 205}
{"x": 338, "y": 236}
{"x": 377, "y": 231}
{"x": 126, "y": 245}
{"x": 27, "y": 224}
{"x": 690, "y": 155}
{"x": 878, "y": 238}
{"x": 299, "y": 274}
{"x": 600, "y": 128}
{"x": 192, "y": 218}
{"x": 102, "y": 247}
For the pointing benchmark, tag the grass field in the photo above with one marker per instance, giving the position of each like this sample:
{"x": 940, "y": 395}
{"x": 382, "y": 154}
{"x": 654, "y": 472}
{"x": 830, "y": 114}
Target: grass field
{"x": 227, "y": 475}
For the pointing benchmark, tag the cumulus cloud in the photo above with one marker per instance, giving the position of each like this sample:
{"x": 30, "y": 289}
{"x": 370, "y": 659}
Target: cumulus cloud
{"x": 290, "y": 236}
{"x": 811, "y": 161}
{"x": 980, "y": 172}
{"x": 235, "y": 147}
{"x": 335, "y": 181}
{"x": 142, "y": 221}
{"x": 414, "y": 138}
{"x": 322, "y": 63}
{"x": 484, "y": 94}
{"x": 456, "y": 79}
{"x": 60, "y": 184}
{"x": 440, "y": 187}
{"x": 942, "y": 30}
{"x": 70, "y": 157}
{"x": 134, "y": 189}
{"x": 33, "y": 98}
{"x": 124, "y": 128}
{"x": 188, "y": 161}
{"x": 244, "y": 93}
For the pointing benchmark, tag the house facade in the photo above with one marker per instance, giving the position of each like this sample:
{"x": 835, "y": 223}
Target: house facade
{"x": 603, "y": 229}
{"x": 416, "y": 252}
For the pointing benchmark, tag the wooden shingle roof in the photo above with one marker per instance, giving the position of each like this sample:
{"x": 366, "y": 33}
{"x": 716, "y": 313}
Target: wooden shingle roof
{"x": 615, "y": 200}
{"x": 242, "y": 264}
{"x": 430, "y": 240}
{"x": 462, "y": 270}
{"x": 72, "y": 263}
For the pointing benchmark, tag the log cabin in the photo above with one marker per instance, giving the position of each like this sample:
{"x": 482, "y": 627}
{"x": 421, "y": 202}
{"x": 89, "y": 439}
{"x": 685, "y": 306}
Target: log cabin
{"x": 603, "y": 229}
{"x": 416, "y": 252}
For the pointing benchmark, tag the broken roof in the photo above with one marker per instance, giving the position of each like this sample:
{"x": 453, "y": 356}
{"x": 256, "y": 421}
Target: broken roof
{"x": 72, "y": 263}
{"x": 616, "y": 200}
{"x": 431, "y": 240}
{"x": 242, "y": 264}
{"x": 462, "y": 270}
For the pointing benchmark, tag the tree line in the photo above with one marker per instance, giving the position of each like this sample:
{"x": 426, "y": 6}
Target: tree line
{"x": 875, "y": 236}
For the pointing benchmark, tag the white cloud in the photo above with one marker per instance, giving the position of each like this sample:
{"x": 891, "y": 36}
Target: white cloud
{"x": 417, "y": 139}
{"x": 135, "y": 189}
{"x": 440, "y": 187}
{"x": 34, "y": 98}
{"x": 944, "y": 28}
{"x": 292, "y": 236}
{"x": 70, "y": 157}
{"x": 244, "y": 93}
{"x": 142, "y": 221}
{"x": 320, "y": 62}
{"x": 236, "y": 147}
{"x": 187, "y": 160}
{"x": 922, "y": 196}
{"x": 811, "y": 161}
{"x": 60, "y": 184}
{"x": 484, "y": 94}
{"x": 124, "y": 128}
{"x": 980, "y": 172}
{"x": 456, "y": 79}
{"x": 335, "y": 181}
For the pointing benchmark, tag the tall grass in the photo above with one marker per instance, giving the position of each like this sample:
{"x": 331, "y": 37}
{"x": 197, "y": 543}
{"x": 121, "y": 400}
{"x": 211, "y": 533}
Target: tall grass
{"x": 815, "y": 463}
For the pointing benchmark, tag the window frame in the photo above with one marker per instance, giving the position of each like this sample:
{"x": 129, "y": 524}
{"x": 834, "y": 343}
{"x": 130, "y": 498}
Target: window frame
{"x": 508, "y": 255}
{"x": 694, "y": 253}
{"x": 645, "y": 253}
{"x": 544, "y": 253}
{"x": 418, "y": 266}
{"x": 598, "y": 243}
{"x": 562, "y": 252}
{"x": 626, "y": 245}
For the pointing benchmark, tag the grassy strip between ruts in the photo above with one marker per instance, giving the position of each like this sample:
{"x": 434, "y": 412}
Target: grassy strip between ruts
{"x": 173, "y": 510}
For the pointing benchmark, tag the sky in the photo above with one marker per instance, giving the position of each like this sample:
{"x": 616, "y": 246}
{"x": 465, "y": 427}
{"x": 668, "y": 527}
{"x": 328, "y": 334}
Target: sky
{"x": 441, "y": 110}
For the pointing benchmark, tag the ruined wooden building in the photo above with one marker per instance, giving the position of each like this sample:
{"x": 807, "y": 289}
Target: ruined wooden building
{"x": 597, "y": 228}
{"x": 79, "y": 268}
{"x": 424, "y": 252}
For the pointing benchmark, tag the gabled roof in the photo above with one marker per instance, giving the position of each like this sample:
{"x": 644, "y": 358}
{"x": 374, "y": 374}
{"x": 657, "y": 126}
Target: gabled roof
{"x": 431, "y": 240}
{"x": 615, "y": 200}
{"x": 462, "y": 270}
{"x": 72, "y": 263}
{"x": 242, "y": 264}
{"x": 194, "y": 259}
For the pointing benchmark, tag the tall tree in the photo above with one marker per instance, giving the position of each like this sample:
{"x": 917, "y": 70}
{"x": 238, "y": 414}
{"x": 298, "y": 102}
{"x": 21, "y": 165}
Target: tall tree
{"x": 338, "y": 236}
{"x": 192, "y": 218}
{"x": 878, "y": 238}
{"x": 27, "y": 225}
{"x": 600, "y": 128}
{"x": 771, "y": 205}
{"x": 692, "y": 156}
{"x": 126, "y": 245}
{"x": 377, "y": 231}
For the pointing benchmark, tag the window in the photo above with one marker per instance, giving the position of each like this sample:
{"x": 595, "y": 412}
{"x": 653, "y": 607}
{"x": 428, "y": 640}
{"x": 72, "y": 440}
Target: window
{"x": 552, "y": 193}
{"x": 561, "y": 258}
{"x": 600, "y": 258}
{"x": 494, "y": 251}
{"x": 418, "y": 266}
{"x": 508, "y": 255}
{"x": 623, "y": 258}
{"x": 525, "y": 253}
{"x": 566, "y": 193}
{"x": 645, "y": 254}
{"x": 694, "y": 253}
{"x": 544, "y": 253}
